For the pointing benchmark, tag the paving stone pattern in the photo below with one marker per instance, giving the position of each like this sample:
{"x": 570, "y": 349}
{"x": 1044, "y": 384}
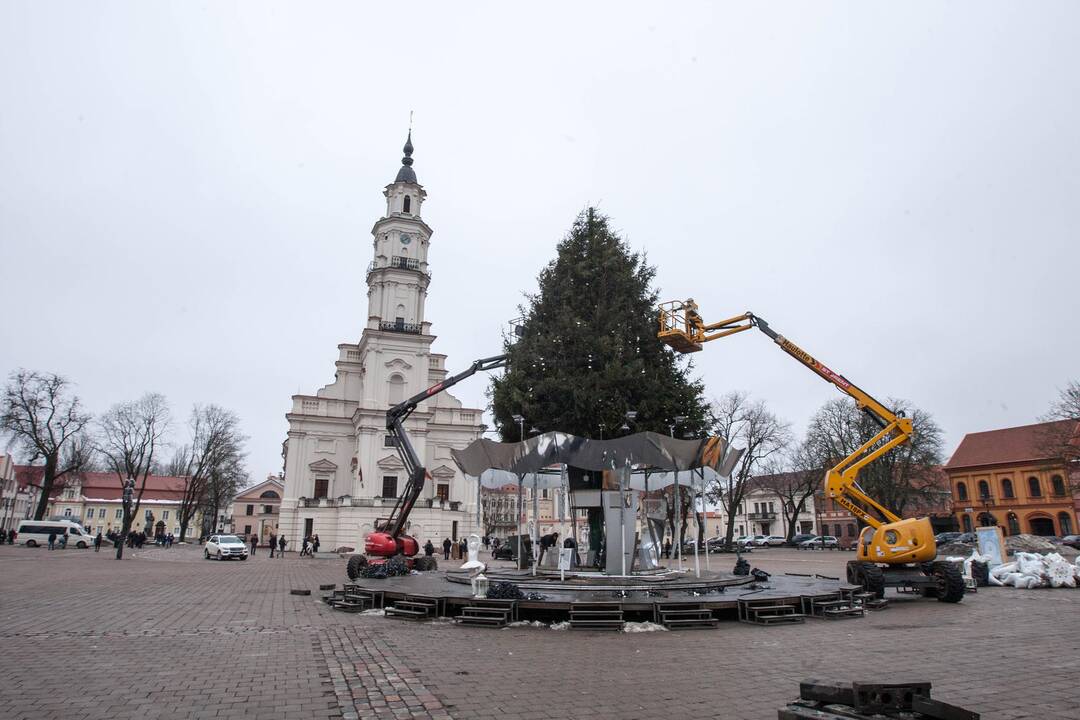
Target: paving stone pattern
{"x": 166, "y": 634}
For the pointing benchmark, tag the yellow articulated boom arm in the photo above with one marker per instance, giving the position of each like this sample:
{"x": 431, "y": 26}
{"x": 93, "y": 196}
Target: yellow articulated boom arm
{"x": 682, "y": 327}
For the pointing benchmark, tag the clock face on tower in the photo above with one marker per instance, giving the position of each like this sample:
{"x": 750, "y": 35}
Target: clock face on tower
{"x": 405, "y": 238}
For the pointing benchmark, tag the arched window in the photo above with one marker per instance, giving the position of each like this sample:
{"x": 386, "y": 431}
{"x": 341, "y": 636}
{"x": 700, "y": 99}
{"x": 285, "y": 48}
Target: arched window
{"x": 984, "y": 489}
{"x": 67, "y": 512}
{"x": 1007, "y": 489}
{"x": 1058, "y": 486}
{"x": 961, "y": 491}
{"x": 397, "y": 389}
{"x": 1033, "y": 487}
{"x": 270, "y": 494}
{"x": 1014, "y": 524}
{"x": 405, "y": 206}
{"x": 987, "y": 520}
{"x": 967, "y": 523}
{"x": 1065, "y": 523}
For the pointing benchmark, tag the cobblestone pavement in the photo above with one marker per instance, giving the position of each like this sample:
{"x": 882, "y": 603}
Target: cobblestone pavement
{"x": 166, "y": 634}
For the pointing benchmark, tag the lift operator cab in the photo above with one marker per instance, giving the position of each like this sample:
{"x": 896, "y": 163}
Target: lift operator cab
{"x": 891, "y": 551}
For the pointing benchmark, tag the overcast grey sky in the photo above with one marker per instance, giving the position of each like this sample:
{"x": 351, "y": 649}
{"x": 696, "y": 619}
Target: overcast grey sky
{"x": 186, "y": 191}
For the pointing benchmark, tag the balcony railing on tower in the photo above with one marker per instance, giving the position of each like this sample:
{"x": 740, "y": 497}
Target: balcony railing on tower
{"x": 400, "y": 262}
{"x": 400, "y": 327}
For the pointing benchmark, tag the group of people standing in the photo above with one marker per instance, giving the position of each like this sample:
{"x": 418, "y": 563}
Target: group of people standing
{"x": 278, "y": 544}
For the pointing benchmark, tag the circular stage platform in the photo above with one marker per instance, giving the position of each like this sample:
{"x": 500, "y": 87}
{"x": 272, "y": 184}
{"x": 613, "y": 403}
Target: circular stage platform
{"x": 549, "y": 597}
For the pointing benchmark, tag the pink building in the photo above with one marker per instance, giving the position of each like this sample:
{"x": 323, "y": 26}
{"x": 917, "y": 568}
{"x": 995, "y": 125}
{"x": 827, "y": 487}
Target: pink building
{"x": 257, "y": 509}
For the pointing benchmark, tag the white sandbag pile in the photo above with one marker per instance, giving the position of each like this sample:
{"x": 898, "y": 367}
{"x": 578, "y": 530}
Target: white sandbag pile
{"x": 1031, "y": 570}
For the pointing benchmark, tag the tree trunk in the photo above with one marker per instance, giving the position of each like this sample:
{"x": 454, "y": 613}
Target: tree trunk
{"x": 47, "y": 480}
{"x": 183, "y": 527}
{"x": 126, "y": 528}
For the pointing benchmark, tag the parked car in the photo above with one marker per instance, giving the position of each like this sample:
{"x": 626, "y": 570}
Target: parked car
{"x": 800, "y": 538}
{"x": 820, "y": 542}
{"x": 946, "y": 537}
{"x": 32, "y": 533}
{"x": 744, "y": 541}
{"x": 769, "y": 540}
{"x": 225, "y": 547}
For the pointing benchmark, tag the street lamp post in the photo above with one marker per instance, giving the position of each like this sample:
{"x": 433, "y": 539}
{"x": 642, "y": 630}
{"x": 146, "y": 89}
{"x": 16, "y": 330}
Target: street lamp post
{"x": 520, "y": 420}
{"x": 678, "y": 419}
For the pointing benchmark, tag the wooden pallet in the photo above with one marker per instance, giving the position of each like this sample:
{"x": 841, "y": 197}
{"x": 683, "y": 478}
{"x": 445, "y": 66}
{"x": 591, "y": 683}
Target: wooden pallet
{"x": 596, "y": 615}
{"x": 682, "y": 616}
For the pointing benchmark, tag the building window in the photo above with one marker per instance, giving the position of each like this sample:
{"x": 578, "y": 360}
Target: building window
{"x": 984, "y": 490}
{"x": 1033, "y": 487}
{"x": 407, "y": 205}
{"x": 987, "y": 520}
{"x": 1065, "y": 523}
{"x": 67, "y": 512}
{"x": 268, "y": 509}
{"x": 250, "y": 509}
{"x": 1007, "y": 488}
{"x": 966, "y": 522}
{"x": 443, "y": 492}
{"x": 1058, "y": 486}
{"x": 961, "y": 491}
{"x": 388, "y": 441}
{"x": 119, "y": 513}
{"x": 322, "y": 487}
{"x": 397, "y": 383}
{"x": 164, "y": 514}
{"x": 148, "y": 515}
{"x": 389, "y": 486}
{"x": 270, "y": 494}
{"x": 1013, "y": 523}
{"x": 851, "y": 531}
{"x": 247, "y": 529}
{"x": 543, "y": 494}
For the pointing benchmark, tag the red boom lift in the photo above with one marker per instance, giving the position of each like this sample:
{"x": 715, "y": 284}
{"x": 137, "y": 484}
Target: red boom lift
{"x": 388, "y": 539}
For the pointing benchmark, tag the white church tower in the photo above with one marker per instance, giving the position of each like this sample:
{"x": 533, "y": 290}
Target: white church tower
{"x": 341, "y": 471}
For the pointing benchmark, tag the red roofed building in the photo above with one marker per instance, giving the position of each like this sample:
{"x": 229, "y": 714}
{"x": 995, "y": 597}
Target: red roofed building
{"x": 1017, "y": 478}
{"x": 95, "y": 499}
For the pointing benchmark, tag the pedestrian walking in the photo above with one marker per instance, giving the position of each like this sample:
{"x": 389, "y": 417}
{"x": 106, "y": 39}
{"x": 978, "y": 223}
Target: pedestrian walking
{"x": 667, "y": 547}
{"x": 315, "y": 544}
{"x": 495, "y": 543}
{"x": 446, "y": 545}
{"x": 281, "y": 543}
{"x": 304, "y": 546}
{"x": 11, "y": 536}
{"x": 97, "y": 542}
{"x": 273, "y": 544}
{"x": 52, "y": 540}
{"x": 254, "y": 542}
{"x": 63, "y": 540}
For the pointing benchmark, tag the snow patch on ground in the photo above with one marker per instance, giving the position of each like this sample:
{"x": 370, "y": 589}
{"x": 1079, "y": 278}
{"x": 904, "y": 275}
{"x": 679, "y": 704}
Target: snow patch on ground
{"x": 640, "y": 627}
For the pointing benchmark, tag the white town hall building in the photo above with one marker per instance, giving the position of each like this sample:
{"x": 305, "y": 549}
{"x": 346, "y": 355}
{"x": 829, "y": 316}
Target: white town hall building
{"x": 341, "y": 471}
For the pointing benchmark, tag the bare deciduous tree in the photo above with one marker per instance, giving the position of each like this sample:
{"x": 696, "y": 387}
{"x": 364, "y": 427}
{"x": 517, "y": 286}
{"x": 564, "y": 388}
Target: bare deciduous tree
{"x": 1059, "y": 440}
{"x": 212, "y": 463}
{"x": 792, "y": 480}
{"x": 903, "y": 475}
{"x": 751, "y": 425}
{"x": 130, "y": 435}
{"x": 47, "y": 424}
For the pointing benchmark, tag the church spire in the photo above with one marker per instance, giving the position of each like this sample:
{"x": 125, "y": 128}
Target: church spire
{"x": 406, "y": 173}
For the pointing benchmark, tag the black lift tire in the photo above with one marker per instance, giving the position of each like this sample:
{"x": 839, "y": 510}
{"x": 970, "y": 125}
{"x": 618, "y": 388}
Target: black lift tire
{"x": 873, "y": 579}
{"x": 950, "y": 581}
{"x": 854, "y": 572}
{"x": 356, "y": 563}
{"x": 426, "y": 564}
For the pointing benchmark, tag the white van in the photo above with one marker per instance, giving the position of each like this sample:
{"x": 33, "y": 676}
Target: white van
{"x": 36, "y": 532}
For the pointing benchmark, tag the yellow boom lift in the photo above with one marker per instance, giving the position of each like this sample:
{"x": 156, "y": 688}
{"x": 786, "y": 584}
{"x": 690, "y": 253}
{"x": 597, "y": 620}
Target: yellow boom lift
{"x": 891, "y": 551}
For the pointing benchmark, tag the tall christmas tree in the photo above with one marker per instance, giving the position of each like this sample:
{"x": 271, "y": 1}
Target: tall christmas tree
{"x": 587, "y": 352}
